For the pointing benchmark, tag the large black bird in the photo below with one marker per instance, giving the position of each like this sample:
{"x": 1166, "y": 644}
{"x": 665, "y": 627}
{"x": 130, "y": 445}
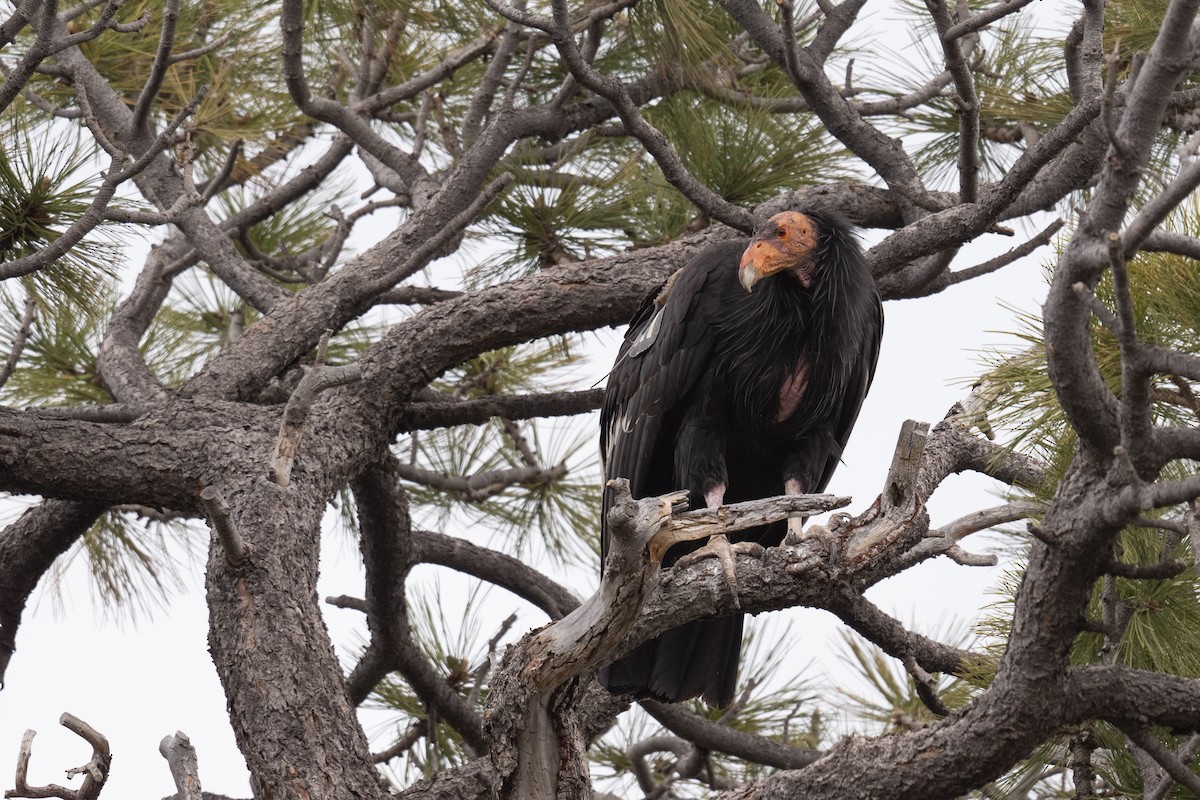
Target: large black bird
{"x": 740, "y": 379}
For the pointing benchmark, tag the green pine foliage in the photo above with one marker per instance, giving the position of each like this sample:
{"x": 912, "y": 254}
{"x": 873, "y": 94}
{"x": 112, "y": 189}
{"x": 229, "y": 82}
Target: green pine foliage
{"x": 240, "y": 105}
{"x": 192, "y": 327}
{"x": 559, "y": 514}
{"x": 746, "y": 156}
{"x": 48, "y": 177}
{"x": 135, "y": 560}
{"x": 462, "y": 653}
{"x": 892, "y": 703}
{"x": 1021, "y": 82}
{"x": 59, "y": 359}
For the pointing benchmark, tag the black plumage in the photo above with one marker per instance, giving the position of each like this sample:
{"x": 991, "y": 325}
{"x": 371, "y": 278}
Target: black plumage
{"x": 740, "y": 379}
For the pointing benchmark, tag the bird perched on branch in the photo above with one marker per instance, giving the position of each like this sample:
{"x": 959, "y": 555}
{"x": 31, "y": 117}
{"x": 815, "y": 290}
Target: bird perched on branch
{"x": 740, "y": 379}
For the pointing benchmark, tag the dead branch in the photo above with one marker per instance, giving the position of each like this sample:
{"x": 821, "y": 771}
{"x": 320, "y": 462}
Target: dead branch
{"x": 185, "y": 769}
{"x": 95, "y": 771}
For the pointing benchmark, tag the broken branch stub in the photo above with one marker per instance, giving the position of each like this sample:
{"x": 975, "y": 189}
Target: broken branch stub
{"x": 899, "y": 509}
{"x": 184, "y": 764}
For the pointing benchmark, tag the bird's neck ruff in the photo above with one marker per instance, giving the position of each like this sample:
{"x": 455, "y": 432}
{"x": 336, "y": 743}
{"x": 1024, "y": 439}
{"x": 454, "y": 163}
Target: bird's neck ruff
{"x": 807, "y": 321}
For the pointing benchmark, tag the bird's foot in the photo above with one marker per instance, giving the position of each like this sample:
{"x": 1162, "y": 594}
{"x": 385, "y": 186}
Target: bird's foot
{"x": 719, "y": 547}
{"x": 830, "y": 535}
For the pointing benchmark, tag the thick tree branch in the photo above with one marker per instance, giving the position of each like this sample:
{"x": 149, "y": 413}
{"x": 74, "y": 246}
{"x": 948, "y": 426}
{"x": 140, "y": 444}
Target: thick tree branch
{"x": 28, "y": 546}
{"x": 714, "y": 736}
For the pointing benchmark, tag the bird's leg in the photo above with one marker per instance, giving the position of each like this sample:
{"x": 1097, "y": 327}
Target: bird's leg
{"x": 797, "y": 533}
{"x": 719, "y": 547}
{"x": 795, "y": 525}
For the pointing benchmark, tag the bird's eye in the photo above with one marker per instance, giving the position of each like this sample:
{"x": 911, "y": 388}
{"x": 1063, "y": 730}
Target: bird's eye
{"x": 781, "y": 233}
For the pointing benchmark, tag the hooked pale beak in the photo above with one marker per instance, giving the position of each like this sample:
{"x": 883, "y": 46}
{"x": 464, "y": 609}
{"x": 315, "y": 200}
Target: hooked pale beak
{"x": 750, "y": 271}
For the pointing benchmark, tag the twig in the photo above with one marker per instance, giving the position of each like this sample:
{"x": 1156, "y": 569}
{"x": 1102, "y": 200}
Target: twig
{"x": 482, "y": 485}
{"x": 1164, "y": 242}
{"x": 1083, "y": 744}
{"x": 520, "y": 442}
{"x": 1161, "y": 571}
{"x": 447, "y": 66}
{"x": 480, "y": 673}
{"x": 218, "y": 511}
{"x": 348, "y": 602}
{"x": 968, "y": 101}
{"x": 981, "y": 520}
{"x": 403, "y": 744}
{"x": 1159, "y": 206}
{"x": 1015, "y": 254}
{"x": 1106, "y": 105}
{"x": 787, "y": 27}
{"x": 925, "y": 688}
{"x": 202, "y": 50}
{"x": 21, "y": 16}
{"x": 1126, "y": 331}
{"x": 1135, "y": 421}
{"x": 1185, "y": 754}
{"x": 449, "y": 231}
{"x": 485, "y": 93}
{"x": 432, "y": 412}
{"x": 713, "y": 736}
{"x": 637, "y": 752}
{"x": 216, "y": 183}
{"x": 983, "y": 18}
{"x": 19, "y": 340}
{"x": 1103, "y": 313}
{"x": 158, "y": 70}
{"x": 526, "y": 18}
{"x": 510, "y": 93}
{"x": 500, "y": 569}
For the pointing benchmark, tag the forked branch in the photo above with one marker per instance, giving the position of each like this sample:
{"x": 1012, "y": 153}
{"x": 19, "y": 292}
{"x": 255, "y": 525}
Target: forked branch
{"x": 95, "y": 771}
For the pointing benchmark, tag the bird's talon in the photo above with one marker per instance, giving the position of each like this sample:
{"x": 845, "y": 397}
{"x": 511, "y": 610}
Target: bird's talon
{"x": 718, "y": 547}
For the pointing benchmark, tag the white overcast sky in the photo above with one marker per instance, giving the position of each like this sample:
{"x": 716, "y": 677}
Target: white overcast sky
{"x": 137, "y": 683}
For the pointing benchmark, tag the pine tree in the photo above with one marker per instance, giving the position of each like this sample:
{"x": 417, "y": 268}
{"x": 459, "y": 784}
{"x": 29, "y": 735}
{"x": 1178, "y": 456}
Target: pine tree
{"x": 273, "y": 274}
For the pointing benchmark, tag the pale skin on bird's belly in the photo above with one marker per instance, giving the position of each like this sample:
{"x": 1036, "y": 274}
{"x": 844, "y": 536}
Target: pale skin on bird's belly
{"x": 792, "y": 391}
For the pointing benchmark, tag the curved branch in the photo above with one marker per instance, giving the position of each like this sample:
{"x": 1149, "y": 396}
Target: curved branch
{"x": 28, "y": 547}
{"x": 386, "y": 540}
{"x": 500, "y": 569}
{"x": 711, "y": 735}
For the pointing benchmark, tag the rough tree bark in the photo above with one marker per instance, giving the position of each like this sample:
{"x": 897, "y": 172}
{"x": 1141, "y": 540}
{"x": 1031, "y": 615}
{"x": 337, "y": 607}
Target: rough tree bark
{"x": 206, "y": 447}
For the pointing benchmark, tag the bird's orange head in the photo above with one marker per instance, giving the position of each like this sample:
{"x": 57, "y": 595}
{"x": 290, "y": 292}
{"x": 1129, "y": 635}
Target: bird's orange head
{"x": 786, "y": 242}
